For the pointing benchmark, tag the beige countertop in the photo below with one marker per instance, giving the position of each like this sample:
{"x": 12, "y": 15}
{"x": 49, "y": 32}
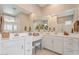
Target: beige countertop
{"x": 71, "y": 35}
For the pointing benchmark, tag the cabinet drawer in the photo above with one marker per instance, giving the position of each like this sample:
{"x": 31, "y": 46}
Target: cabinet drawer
{"x": 68, "y": 53}
{"x": 28, "y": 52}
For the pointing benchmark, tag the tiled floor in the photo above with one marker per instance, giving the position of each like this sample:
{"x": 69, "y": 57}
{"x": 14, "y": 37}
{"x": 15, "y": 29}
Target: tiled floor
{"x": 45, "y": 52}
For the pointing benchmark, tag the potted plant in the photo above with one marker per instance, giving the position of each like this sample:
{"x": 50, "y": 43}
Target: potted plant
{"x": 45, "y": 27}
{"x": 37, "y": 28}
{"x": 41, "y": 27}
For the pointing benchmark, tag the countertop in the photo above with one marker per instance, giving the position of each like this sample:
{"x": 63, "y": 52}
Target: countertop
{"x": 71, "y": 35}
{"x": 24, "y": 35}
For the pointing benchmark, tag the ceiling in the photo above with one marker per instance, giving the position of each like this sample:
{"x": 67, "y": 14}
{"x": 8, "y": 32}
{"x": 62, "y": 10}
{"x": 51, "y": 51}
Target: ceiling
{"x": 43, "y": 5}
{"x": 12, "y": 9}
{"x": 66, "y": 13}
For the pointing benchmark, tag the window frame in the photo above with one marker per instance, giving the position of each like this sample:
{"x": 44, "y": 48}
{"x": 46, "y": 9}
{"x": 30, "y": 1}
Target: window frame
{"x": 12, "y": 23}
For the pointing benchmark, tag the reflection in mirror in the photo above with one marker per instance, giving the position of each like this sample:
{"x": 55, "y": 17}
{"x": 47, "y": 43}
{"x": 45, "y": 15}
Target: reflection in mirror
{"x": 9, "y": 13}
{"x": 65, "y": 20}
{"x": 12, "y": 16}
{"x": 76, "y": 26}
{"x": 40, "y": 24}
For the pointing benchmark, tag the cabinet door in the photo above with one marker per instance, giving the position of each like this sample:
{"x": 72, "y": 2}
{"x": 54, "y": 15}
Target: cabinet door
{"x": 28, "y": 45}
{"x": 20, "y": 45}
{"x": 58, "y": 44}
{"x": 67, "y": 46}
{"x": 51, "y": 43}
{"x": 48, "y": 42}
{"x": 70, "y": 46}
{"x": 0, "y": 46}
{"x": 45, "y": 40}
{"x": 5, "y": 47}
{"x": 43, "y": 43}
{"x": 16, "y": 46}
{"x": 75, "y": 46}
{"x": 12, "y": 47}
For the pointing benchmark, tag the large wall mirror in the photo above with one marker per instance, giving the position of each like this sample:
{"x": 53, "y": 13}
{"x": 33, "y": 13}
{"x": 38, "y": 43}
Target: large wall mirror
{"x": 8, "y": 16}
{"x": 40, "y": 24}
{"x": 65, "y": 20}
{"x": 11, "y": 16}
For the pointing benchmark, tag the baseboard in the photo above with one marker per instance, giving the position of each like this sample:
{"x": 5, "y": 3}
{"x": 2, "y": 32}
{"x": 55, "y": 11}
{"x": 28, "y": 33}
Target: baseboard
{"x": 54, "y": 52}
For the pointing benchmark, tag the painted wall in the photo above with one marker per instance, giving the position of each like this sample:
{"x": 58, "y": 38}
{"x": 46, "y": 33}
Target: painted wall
{"x": 34, "y": 12}
{"x": 22, "y": 21}
{"x": 52, "y": 9}
{"x": 78, "y": 11}
{"x": 49, "y": 10}
{"x": 30, "y": 8}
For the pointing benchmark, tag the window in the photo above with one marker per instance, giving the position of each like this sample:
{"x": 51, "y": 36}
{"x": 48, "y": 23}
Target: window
{"x": 10, "y": 23}
{"x": 68, "y": 22}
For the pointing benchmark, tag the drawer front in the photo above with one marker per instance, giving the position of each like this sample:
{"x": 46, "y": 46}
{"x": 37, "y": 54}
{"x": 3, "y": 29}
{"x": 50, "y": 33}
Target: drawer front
{"x": 28, "y": 52}
{"x": 0, "y": 46}
{"x": 68, "y": 53}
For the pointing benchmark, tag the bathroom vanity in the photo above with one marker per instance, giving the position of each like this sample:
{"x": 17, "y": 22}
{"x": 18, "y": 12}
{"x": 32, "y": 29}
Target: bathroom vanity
{"x": 18, "y": 45}
{"x": 67, "y": 45}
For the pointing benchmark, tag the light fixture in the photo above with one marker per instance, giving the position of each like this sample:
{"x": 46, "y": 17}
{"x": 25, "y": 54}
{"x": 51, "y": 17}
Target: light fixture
{"x": 33, "y": 16}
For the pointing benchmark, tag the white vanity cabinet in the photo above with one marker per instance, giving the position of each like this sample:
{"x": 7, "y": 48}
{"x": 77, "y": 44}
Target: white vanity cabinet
{"x": 67, "y": 45}
{"x": 5, "y": 47}
{"x": 28, "y": 45}
{"x": 45, "y": 43}
{"x": 54, "y": 43}
{"x": 0, "y": 46}
{"x": 58, "y": 44}
{"x": 19, "y": 46}
{"x": 48, "y": 43}
{"x": 13, "y": 47}
{"x": 71, "y": 46}
{"x": 23, "y": 46}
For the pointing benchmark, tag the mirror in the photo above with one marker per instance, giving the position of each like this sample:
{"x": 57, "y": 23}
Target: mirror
{"x": 40, "y": 24}
{"x": 65, "y": 20}
{"x": 13, "y": 19}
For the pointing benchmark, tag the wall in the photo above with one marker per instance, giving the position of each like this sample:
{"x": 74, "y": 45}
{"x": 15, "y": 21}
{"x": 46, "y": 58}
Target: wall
{"x": 30, "y": 8}
{"x": 34, "y": 12}
{"x": 22, "y": 21}
{"x": 52, "y": 22}
{"x": 78, "y": 11}
{"x": 52, "y": 9}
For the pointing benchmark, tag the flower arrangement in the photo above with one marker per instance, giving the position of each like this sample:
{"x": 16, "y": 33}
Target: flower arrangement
{"x": 41, "y": 27}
